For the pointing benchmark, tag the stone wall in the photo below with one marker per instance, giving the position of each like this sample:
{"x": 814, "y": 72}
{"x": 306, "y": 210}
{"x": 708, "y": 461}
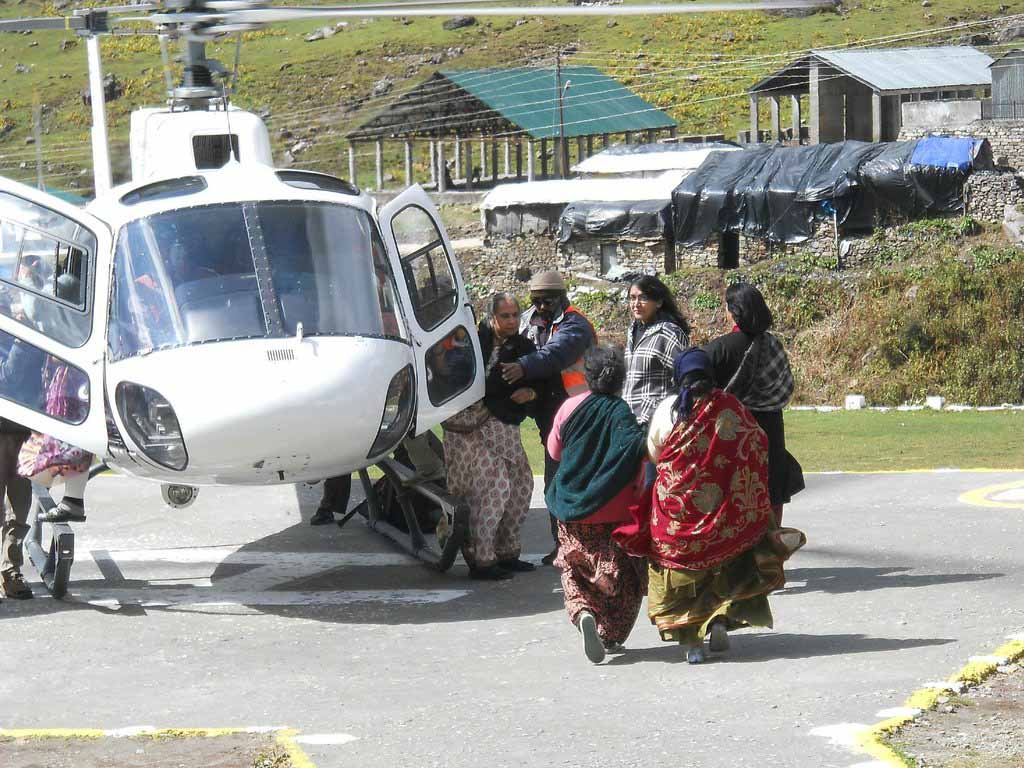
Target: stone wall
{"x": 988, "y": 193}
{"x": 1005, "y": 136}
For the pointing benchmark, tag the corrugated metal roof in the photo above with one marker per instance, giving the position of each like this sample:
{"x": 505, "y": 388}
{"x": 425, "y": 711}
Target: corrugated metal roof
{"x": 902, "y": 69}
{"x": 593, "y": 104}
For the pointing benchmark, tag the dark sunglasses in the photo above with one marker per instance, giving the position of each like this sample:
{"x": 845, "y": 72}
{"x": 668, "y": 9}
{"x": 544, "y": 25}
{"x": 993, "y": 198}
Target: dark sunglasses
{"x": 544, "y": 301}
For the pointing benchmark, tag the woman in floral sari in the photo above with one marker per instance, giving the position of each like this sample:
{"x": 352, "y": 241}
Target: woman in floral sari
{"x": 711, "y": 564}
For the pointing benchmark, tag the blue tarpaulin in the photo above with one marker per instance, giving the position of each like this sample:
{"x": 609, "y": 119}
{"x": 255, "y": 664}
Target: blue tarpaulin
{"x": 946, "y": 152}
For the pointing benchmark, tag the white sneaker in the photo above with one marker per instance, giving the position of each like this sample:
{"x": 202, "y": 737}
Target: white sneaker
{"x": 592, "y": 645}
{"x": 695, "y": 654}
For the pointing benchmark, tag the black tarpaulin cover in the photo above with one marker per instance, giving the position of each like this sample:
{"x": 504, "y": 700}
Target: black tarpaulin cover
{"x": 642, "y": 220}
{"x": 778, "y": 192}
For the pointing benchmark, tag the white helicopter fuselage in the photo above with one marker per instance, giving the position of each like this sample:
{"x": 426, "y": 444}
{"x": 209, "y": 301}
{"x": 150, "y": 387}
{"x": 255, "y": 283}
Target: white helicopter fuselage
{"x": 254, "y": 326}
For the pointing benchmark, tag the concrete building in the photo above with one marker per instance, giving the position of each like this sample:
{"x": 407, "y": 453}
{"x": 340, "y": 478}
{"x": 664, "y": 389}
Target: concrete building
{"x": 860, "y": 94}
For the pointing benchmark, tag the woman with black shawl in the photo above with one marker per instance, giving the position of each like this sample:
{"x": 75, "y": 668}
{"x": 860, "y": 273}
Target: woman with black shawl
{"x": 752, "y": 364}
{"x": 600, "y": 447}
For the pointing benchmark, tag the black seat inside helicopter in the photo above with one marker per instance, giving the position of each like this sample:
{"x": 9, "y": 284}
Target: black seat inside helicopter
{"x": 223, "y": 307}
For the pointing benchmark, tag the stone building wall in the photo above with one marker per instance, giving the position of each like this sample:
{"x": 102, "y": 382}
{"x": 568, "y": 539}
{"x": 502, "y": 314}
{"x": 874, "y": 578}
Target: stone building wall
{"x": 989, "y": 192}
{"x": 1005, "y": 136}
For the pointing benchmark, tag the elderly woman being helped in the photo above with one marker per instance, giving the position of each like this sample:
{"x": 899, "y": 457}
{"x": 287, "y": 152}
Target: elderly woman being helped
{"x": 600, "y": 448}
{"x": 486, "y": 462}
{"x": 704, "y": 532}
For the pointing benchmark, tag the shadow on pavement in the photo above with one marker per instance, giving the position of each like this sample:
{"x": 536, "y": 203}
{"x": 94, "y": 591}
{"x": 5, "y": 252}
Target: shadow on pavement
{"x": 767, "y": 646}
{"x": 855, "y": 578}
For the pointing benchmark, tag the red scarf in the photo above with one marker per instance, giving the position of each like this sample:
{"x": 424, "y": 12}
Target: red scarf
{"x": 710, "y": 502}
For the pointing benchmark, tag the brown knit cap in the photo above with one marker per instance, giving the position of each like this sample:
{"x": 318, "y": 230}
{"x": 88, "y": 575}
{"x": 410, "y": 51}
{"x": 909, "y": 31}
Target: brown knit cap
{"x": 550, "y": 280}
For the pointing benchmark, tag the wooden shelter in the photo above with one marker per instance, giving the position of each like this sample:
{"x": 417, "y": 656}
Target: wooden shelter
{"x": 520, "y": 110}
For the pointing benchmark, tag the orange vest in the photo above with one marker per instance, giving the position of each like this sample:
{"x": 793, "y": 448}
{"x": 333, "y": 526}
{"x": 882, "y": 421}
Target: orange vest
{"x": 573, "y": 379}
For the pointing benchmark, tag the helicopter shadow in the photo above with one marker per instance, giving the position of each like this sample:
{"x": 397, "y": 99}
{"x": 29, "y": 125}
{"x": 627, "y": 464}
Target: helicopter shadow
{"x": 374, "y": 582}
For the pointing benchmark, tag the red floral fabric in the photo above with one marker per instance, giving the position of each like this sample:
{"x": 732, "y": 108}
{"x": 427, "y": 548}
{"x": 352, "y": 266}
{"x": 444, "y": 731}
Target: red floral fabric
{"x": 710, "y": 501}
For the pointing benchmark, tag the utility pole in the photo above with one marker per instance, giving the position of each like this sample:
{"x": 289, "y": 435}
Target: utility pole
{"x": 561, "y": 161}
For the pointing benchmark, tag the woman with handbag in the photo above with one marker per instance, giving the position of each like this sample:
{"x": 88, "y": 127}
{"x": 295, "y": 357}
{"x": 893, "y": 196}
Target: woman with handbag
{"x": 485, "y": 460}
{"x": 751, "y": 363}
{"x": 707, "y": 529}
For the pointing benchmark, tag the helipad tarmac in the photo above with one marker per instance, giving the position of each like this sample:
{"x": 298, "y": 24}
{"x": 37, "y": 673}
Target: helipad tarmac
{"x": 235, "y": 613}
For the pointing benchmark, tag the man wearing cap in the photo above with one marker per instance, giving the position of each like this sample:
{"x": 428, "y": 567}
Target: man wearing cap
{"x": 561, "y": 334}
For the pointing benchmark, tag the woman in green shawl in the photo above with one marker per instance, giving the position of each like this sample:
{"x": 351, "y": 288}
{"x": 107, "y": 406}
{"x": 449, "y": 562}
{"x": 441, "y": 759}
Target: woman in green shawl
{"x": 600, "y": 447}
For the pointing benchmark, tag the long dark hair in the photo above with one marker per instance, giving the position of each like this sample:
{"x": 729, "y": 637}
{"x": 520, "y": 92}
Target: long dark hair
{"x": 748, "y": 308}
{"x": 654, "y": 289}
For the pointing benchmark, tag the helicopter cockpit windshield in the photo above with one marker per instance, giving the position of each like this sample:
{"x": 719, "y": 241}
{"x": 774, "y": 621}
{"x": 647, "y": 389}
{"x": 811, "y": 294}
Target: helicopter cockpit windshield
{"x": 250, "y": 270}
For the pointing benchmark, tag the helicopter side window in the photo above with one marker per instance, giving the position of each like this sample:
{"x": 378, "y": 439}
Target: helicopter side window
{"x": 428, "y": 272}
{"x": 37, "y": 380}
{"x": 44, "y": 279}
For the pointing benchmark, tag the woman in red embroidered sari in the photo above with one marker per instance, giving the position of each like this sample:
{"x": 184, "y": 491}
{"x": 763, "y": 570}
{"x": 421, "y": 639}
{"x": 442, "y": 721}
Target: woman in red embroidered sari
{"x": 704, "y": 532}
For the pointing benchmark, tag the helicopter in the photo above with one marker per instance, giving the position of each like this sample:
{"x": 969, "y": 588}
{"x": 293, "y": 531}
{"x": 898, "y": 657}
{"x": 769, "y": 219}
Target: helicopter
{"x": 219, "y": 320}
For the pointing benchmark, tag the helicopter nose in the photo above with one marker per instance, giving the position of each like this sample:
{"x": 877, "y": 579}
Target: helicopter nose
{"x": 261, "y": 411}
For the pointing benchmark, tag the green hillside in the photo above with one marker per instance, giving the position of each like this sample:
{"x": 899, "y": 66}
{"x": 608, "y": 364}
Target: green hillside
{"x": 694, "y": 67}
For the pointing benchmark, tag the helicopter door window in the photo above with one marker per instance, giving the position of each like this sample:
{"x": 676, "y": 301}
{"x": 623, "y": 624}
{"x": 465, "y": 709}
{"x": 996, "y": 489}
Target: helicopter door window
{"x": 44, "y": 279}
{"x": 37, "y": 380}
{"x": 428, "y": 272}
{"x": 451, "y": 366}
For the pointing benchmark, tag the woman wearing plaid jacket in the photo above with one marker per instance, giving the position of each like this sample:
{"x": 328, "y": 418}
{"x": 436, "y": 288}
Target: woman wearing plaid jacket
{"x": 658, "y": 333}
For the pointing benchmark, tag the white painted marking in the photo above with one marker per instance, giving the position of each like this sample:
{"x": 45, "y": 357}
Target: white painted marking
{"x": 179, "y": 598}
{"x": 885, "y": 714}
{"x": 841, "y": 734}
{"x": 216, "y": 555}
{"x": 322, "y": 739}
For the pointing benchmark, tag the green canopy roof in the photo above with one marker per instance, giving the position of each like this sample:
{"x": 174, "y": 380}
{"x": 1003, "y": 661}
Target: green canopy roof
{"x": 518, "y": 100}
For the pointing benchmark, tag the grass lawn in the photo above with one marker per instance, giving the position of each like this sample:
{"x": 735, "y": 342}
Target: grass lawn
{"x": 869, "y": 440}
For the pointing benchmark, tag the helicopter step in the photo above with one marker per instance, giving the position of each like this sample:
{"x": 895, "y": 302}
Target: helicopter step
{"x": 53, "y": 563}
{"x": 400, "y": 505}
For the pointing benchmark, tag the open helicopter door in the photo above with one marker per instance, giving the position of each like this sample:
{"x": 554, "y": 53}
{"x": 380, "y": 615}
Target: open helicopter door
{"x": 449, "y": 369}
{"x": 54, "y": 274}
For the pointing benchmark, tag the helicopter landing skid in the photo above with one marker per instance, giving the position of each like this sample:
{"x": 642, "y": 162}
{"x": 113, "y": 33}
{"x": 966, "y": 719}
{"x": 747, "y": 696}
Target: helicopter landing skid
{"x": 401, "y": 487}
{"x": 54, "y": 562}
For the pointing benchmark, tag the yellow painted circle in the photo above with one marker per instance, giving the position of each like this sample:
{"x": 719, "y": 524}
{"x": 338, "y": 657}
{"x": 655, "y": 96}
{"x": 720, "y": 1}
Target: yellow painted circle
{"x": 1003, "y": 496}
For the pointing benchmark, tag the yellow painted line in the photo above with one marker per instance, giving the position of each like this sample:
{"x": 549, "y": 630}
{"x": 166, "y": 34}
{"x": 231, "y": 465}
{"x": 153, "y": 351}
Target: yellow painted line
{"x": 284, "y": 738}
{"x": 980, "y": 497}
{"x": 872, "y": 740}
{"x": 296, "y": 754}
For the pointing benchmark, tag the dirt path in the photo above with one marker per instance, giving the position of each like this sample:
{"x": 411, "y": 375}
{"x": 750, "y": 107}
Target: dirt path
{"x": 980, "y": 728}
{"x": 231, "y": 751}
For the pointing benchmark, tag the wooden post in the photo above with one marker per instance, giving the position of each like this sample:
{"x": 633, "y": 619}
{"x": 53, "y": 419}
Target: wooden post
{"x": 629, "y": 137}
{"x": 672, "y": 132}
{"x": 519, "y": 159}
{"x": 458, "y": 159}
{"x": 876, "y": 116}
{"x": 755, "y": 118}
{"x": 650, "y": 136}
{"x": 433, "y": 164}
{"x": 442, "y": 183}
{"x": 352, "y": 163}
{"x": 408, "y": 163}
{"x": 483, "y": 159}
{"x": 494, "y": 160}
{"x": 604, "y": 141}
{"x": 796, "y": 117}
{"x": 776, "y": 112}
{"x": 580, "y": 148}
{"x": 508, "y": 158}
{"x": 469, "y": 164}
{"x": 529, "y": 161}
{"x": 379, "y": 157}
{"x": 590, "y": 146}
{"x": 543, "y": 158}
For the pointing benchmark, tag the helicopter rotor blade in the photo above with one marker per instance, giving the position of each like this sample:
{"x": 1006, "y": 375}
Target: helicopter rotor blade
{"x": 299, "y": 13}
{"x": 73, "y": 23}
